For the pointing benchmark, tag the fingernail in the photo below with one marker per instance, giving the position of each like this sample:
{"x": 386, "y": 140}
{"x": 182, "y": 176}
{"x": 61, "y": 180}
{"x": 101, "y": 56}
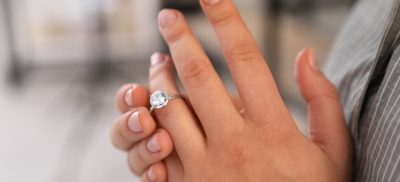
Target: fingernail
{"x": 153, "y": 145}
{"x": 128, "y": 98}
{"x": 311, "y": 59}
{"x": 211, "y": 2}
{"x": 134, "y": 124}
{"x": 167, "y": 17}
{"x": 158, "y": 58}
{"x": 151, "y": 175}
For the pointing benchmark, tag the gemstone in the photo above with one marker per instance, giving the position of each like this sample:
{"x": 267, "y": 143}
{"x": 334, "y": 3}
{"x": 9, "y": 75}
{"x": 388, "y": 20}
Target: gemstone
{"x": 159, "y": 99}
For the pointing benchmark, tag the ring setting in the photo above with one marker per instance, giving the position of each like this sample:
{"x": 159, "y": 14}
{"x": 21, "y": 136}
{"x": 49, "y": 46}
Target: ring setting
{"x": 159, "y": 99}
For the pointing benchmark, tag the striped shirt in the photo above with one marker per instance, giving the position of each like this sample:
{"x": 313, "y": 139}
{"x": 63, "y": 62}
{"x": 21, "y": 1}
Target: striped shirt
{"x": 365, "y": 66}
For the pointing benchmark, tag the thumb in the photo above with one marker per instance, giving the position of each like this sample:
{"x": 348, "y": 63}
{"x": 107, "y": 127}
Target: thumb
{"x": 326, "y": 119}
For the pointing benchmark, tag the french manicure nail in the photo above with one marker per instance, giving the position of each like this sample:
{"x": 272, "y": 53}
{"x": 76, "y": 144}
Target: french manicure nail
{"x": 157, "y": 58}
{"x": 134, "y": 123}
{"x": 211, "y": 2}
{"x": 128, "y": 98}
{"x": 153, "y": 145}
{"x": 312, "y": 60}
{"x": 167, "y": 17}
{"x": 151, "y": 175}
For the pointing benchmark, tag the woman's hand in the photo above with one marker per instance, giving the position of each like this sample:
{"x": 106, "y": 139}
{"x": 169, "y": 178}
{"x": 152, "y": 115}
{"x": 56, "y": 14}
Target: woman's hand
{"x": 216, "y": 142}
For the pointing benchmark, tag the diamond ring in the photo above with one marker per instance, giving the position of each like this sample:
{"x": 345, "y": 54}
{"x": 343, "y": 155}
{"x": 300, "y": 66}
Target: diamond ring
{"x": 159, "y": 99}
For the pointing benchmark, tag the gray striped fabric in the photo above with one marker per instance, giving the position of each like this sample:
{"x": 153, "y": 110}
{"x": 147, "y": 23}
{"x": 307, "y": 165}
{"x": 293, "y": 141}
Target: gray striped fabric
{"x": 370, "y": 91}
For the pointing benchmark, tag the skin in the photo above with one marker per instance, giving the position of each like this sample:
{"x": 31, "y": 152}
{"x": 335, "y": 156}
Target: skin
{"x": 210, "y": 136}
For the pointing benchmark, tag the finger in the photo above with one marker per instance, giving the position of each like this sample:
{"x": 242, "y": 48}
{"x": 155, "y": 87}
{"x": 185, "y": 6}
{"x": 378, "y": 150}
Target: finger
{"x": 156, "y": 173}
{"x": 176, "y": 117}
{"x": 250, "y": 73}
{"x": 130, "y": 96}
{"x": 235, "y": 100}
{"x": 132, "y": 127}
{"x": 150, "y": 151}
{"x": 174, "y": 166}
{"x": 202, "y": 84}
{"x": 326, "y": 119}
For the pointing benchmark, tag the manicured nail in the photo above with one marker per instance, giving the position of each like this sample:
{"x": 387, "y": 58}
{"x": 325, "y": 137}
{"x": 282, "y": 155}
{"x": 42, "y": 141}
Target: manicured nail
{"x": 128, "y": 97}
{"x": 134, "y": 124}
{"x": 158, "y": 58}
{"x": 150, "y": 175}
{"x": 153, "y": 145}
{"x": 211, "y": 2}
{"x": 312, "y": 60}
{"x": 167, "y": 17}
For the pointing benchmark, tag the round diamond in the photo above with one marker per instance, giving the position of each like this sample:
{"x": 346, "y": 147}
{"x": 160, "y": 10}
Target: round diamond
{"x": 159, "y": 99}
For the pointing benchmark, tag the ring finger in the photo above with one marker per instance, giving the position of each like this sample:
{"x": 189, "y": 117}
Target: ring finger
{"x": 176, "y": 117}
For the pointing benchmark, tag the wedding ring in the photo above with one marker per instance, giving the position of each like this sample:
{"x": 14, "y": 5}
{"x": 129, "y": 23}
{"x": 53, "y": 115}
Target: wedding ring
{"x": 159, "y": 99}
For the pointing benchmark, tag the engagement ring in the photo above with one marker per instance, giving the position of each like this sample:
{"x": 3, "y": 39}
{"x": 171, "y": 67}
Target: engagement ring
{"x": 159, "y": 99}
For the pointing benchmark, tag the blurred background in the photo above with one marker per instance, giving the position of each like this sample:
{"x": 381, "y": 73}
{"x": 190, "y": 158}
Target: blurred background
{"x": 61, "y": 63}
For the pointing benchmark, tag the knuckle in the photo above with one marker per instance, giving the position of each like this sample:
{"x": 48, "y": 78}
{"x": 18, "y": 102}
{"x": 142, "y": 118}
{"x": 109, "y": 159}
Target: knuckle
{"x": 223, "y": 18}
{"x": 116, "y": 138}
{"x": 159, "y": 71}
{"x": 117, "y": 145}
{"x": 330, "y": 91}
{"x": 238, "y": 154}
{"x": 174, "y": 35}
{"x": 140, "y": 158}
{"x": 194, "y": 72}
{"x": 143, "y": 154}
{"x": 244, "y": 53}
{"x": 155, "y": 73}
{"x": 133, "y": 164}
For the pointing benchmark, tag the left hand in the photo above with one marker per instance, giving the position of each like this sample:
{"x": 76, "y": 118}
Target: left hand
{"x": 218, "y": 143}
